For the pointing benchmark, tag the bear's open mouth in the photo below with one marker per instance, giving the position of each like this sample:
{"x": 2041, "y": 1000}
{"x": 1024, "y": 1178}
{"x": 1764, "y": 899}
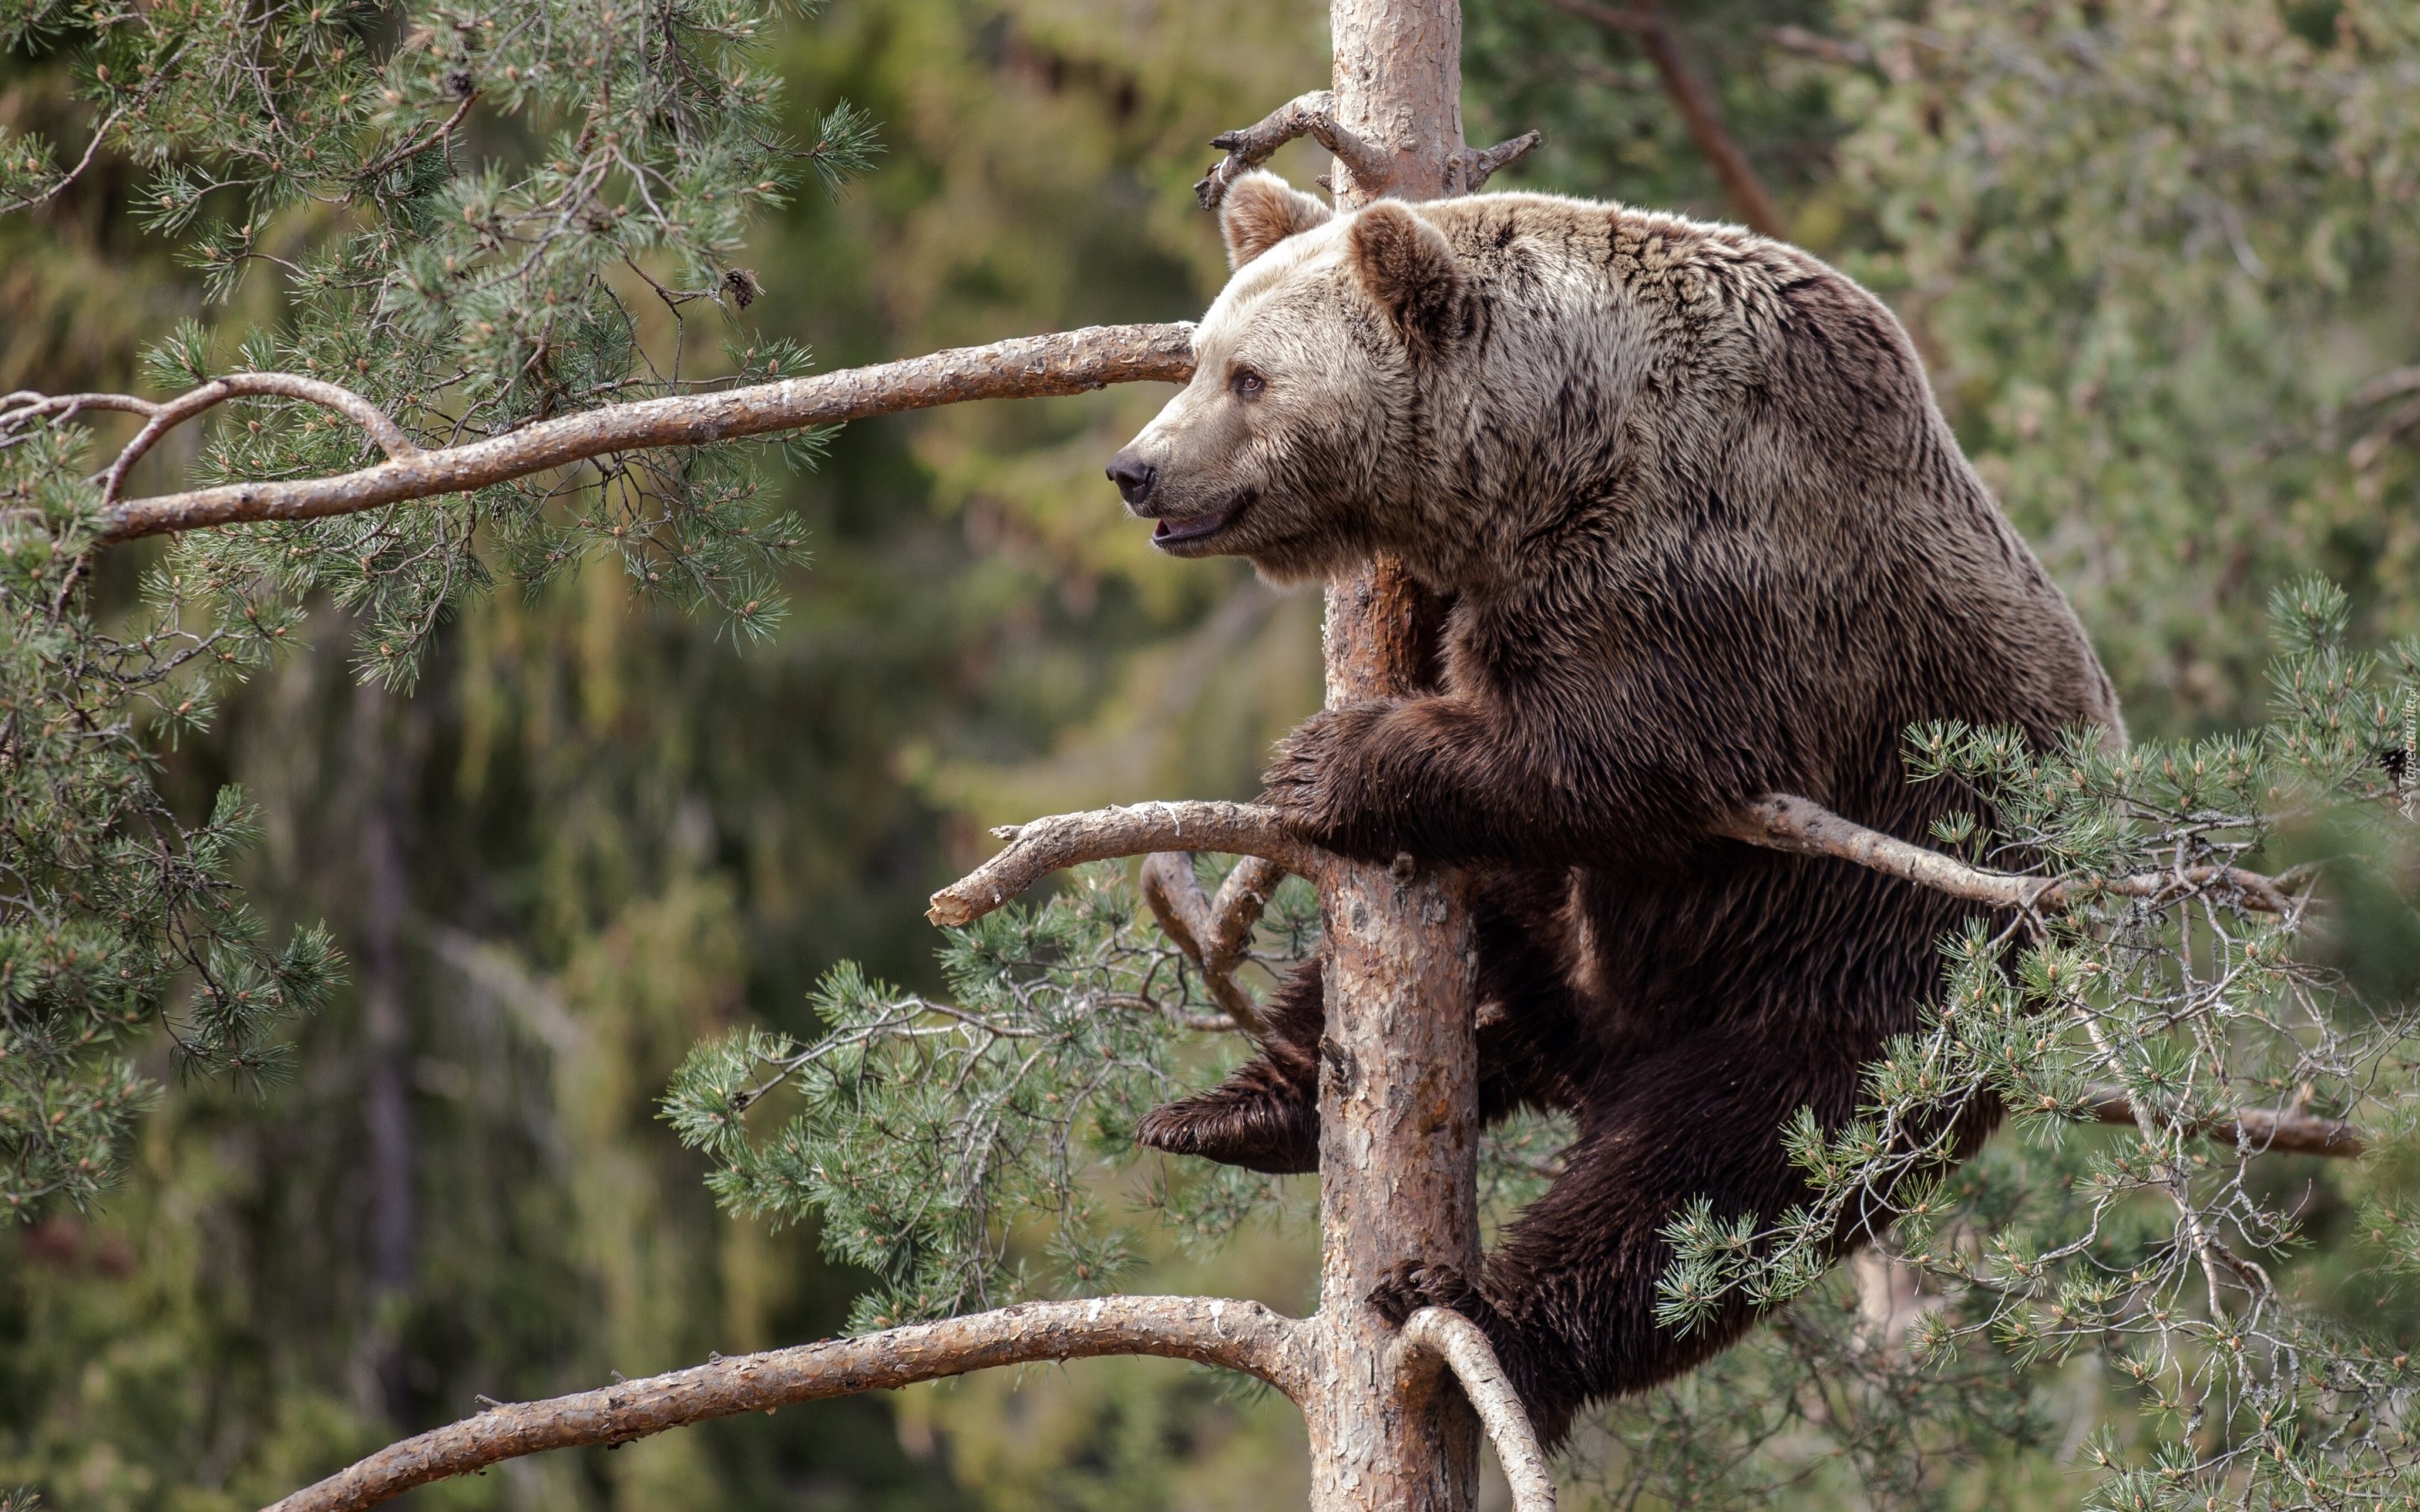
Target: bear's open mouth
{"x": 1198, "y": 526}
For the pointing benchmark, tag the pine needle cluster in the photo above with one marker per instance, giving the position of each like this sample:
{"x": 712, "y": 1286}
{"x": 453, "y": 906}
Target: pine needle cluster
{"x": 476, "y": 215}
{"x": 973, "y": 1152}
{"x": 2165, "y": 1252}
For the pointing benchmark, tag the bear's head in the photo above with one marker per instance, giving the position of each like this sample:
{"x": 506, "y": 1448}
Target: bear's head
{"x": 1296, "y": 444}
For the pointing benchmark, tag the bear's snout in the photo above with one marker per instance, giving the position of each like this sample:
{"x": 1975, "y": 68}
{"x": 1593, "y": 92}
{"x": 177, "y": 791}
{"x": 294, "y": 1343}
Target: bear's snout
{"x": 1134, "y": 477}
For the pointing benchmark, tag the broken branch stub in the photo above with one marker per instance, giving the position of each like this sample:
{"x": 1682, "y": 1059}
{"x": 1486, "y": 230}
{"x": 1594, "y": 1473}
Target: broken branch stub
{"x": 1312, "y": 114}
{"x": 1469, "y": 170}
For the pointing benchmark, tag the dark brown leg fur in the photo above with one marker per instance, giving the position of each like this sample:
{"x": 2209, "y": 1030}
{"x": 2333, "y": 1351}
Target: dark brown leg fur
{"x": 1569, "y": 1298}
{"x": 1266, "y": 1117}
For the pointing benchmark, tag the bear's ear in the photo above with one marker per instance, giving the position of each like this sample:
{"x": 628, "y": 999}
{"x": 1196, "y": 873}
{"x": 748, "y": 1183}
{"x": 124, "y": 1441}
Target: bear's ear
{"x": 1405, "y": 265}
{"x": 1262, "y": 209}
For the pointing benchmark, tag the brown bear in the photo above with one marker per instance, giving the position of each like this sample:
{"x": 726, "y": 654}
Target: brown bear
{"x": 1701, "y": 535}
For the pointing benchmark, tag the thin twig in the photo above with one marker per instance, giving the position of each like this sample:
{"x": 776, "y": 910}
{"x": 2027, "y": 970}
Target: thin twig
{"x": 1457, "y": 1341}
{"x": 1071, "y": 361}
{"x": 1212, "y": 934}
{"x": 413, "y": 149}
{"x": 1239, "y": 1336}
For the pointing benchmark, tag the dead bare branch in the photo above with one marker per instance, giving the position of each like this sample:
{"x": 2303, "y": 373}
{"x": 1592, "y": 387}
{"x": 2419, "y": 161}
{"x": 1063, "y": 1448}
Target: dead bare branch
{"x": 1649, "y": 22}
{"x": 1239, "y": 1336}
{"x": 2257, "y": 1130}
{"x": 21, "y": 411}
{"x": 1469, "y": 171}
{"x": 1036, "y": 850}
{"x": 1242, "y": 898}
{"x": 1780, "y": 822}
{"x": 1212, "y": 932}
{"x": 1069, "y": 361}
{"x": 1464, "y": 1350}
{"x": 1312, "y": 114}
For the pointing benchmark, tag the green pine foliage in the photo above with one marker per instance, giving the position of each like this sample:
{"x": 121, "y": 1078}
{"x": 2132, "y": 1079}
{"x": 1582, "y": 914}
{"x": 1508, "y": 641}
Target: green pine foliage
{"x": 2168, "y": 1255}
{"x": 466, "y": 284}
{"x": 112, "y": 908}
{"x": 962, "y": 1150}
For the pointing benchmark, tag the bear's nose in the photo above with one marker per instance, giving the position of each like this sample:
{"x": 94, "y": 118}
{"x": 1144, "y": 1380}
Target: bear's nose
{"x": 1133, "y": 477}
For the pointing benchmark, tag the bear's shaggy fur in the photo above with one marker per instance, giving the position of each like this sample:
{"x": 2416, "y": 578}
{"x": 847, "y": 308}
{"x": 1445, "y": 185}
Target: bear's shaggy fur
{"x": 1702, "y": 534}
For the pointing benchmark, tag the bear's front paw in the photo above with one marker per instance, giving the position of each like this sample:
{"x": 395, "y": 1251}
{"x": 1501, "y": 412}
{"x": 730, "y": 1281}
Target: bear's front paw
{"x": 1538, "y": 1367}
{"x": 1418, "y": 1284}
{"x": 1317, "y": 783}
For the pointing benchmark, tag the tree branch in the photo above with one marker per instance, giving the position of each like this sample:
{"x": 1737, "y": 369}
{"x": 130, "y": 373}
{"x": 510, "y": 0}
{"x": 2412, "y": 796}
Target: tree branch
{"x": 117, "y": 111}
{"x": 21, "y": 410}
{"x": 1469, "y": 170}
{"x": 1780, "y": 821}
{"x": 1649, "y": 22}
{"x": 1312, "y": 114}
{"x": 1036, "y": 850}
{"x": 1464, "y": 1350}
{"x": 1239, "y": 1336}
{"x": 1071, "y": 361}
{"x": 1212, "y": 932}
{"x": 2256, "y": 1128}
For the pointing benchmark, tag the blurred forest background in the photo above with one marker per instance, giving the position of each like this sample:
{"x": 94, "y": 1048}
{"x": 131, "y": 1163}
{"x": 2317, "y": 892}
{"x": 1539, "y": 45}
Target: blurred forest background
{"x": 2163, "y": 258}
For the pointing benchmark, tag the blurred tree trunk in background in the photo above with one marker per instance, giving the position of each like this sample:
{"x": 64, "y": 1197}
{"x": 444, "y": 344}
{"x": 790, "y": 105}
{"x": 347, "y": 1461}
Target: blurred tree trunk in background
{"x": 379, "y": 772}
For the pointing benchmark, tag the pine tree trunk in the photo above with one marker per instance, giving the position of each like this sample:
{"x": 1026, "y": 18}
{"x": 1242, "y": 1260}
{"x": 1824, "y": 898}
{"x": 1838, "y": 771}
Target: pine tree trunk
{"x": 1398, "y": 1098}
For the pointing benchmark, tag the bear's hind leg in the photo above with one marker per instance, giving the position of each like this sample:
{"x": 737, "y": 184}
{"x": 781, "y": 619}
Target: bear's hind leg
{"x": 1569, "y": 1298}
{"x": 1266, "y": 1117}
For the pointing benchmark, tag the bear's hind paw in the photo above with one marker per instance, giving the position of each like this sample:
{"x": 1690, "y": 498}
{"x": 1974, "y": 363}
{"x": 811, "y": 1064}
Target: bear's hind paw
{"x": 1416, "y": 1284}
{"x": 1259, "y": 1133}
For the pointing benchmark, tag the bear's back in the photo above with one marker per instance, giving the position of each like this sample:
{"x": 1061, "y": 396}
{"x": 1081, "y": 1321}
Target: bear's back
{"x": 1679, "y": 398}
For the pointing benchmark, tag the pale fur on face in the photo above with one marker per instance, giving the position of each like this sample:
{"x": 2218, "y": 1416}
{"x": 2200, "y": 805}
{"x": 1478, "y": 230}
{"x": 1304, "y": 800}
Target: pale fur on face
{"x": 1289, "y": 473}
{"x": 1484, "y": 385}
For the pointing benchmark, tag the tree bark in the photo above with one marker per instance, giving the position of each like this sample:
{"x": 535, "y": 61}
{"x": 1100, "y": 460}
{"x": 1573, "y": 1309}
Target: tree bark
{"x": 1045, "y": 845}
{"x": 1398, "y": 1086}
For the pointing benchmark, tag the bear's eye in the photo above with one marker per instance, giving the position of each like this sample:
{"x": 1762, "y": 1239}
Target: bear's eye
{"x": 1246, "y": 384}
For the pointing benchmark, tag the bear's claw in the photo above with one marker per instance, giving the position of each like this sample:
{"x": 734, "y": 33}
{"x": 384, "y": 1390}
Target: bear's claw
{"x": 1416, "y": 1284}
{"x": 1253, "y": 1127}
